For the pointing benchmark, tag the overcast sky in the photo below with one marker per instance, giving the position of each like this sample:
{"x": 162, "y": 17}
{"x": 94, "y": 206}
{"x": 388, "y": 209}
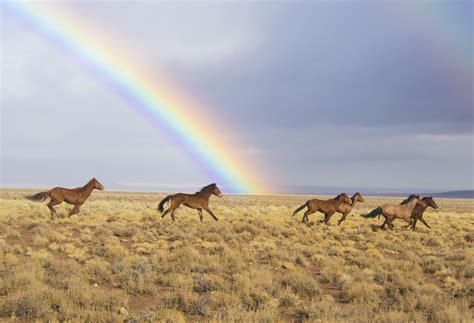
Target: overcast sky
{"x": 329, "y": 94}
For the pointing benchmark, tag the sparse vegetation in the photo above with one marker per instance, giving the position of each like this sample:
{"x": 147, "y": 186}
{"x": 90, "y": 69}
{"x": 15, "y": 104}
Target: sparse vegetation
{"x": 117, "y": 260}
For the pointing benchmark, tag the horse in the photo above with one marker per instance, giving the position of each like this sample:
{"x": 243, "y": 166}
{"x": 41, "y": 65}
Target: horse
{"x": 327, "y": 207}
{"x": 419, "y": 209}
{"x": 75, "y": 196}
{"x": 198, "y": 200}
{"x": 394, "y": 211}
{"x": 345, "y": 208}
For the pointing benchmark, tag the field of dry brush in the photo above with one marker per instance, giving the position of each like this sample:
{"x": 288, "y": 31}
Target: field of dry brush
{"x": 119, "y": 261}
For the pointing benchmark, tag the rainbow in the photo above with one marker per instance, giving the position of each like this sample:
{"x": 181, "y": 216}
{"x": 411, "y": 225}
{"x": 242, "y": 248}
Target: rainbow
{"x": 161, "y": 104}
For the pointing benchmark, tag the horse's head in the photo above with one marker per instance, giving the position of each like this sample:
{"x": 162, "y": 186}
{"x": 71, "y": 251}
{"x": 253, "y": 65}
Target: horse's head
{"x": 430, "y": 202}
{"x": 344, "y": 198}
{"x": 96, "y": 184}
{"x": 216, "y": 191}
{"x": 213, "y": 189}
{"x": 358, "y": 197}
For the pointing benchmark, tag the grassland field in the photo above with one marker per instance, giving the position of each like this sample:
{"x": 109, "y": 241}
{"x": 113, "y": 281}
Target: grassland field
{"x": 119, "y": 261}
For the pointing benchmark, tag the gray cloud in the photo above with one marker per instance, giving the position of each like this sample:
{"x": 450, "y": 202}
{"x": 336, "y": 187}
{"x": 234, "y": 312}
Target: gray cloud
{"x": 342, "y": 90}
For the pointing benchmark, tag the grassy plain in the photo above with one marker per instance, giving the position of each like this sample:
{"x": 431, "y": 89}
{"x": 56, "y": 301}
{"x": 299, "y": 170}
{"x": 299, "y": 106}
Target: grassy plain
{"x": 119, "y": 261}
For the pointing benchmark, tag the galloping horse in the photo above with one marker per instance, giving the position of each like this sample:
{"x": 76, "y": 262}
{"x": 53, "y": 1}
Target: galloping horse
{"x": 419, "y": 209}
{"x": 345, "y": 208}
{"x": 198, "y": 200}
{"x": 328, "y": 207}
{"x": 76, "y": 196}
{"x": 394, "y": 211}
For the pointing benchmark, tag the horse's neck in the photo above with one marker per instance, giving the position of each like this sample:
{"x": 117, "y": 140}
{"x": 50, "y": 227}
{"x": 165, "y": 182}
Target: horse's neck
{"x": 206, "y": 194}
{"x": 411, "y": 205}
{"x": 423, "y": 205}
{"x": 354, "y": 201}
{"x": 87, "y": 189}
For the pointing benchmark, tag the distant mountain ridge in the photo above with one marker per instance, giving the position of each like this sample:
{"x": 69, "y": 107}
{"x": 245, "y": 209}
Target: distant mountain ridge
{"x": 455, "y": 194}
{"x": 319, "y": 190}
{"x": 449, "y": 194}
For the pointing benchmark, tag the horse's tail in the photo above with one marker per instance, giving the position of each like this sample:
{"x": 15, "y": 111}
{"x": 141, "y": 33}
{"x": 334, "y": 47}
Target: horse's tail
{"x": 299, "y": 209}
{"x": 38, "y": 197}
{"x": 374, "y": 213}
{"x": 162, "y": 203}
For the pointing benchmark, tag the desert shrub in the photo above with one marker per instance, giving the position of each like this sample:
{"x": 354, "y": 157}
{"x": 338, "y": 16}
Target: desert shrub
{"x": 98, "y": 271}
{"x": 301, "y": 285}
{"x": 134, "y": 274}
{"x": 205, "y": 286}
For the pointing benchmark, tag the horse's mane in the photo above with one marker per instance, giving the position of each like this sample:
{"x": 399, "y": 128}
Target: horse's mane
{"x": 87, "y": 184}
{"x": 411, "y": 197}
{"x": 339, "y": 196}
{"x": 208, "y": 187}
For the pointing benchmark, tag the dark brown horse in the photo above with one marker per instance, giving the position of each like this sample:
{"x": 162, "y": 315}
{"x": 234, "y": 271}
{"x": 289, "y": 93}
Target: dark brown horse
{"x": 327, "y": 207}
{"x": 75, "y": 196}
{"x": 198, "y": 200}
{"x": 345, "y": 208}
{"x": 419, "y": 209}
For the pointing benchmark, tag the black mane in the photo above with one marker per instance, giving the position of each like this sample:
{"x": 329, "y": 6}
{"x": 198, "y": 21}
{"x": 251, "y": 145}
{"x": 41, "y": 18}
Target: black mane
{"x": 208, "y": 187}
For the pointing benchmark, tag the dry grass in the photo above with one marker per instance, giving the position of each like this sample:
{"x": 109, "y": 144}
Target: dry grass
{"x": 118, "y": 260}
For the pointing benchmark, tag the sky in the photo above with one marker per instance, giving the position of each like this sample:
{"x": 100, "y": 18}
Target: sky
{"x": 357, "y": 95}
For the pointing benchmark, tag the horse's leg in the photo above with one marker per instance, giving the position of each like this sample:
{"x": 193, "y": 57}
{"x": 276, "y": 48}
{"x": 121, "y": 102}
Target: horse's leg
{"x": 166, "y": 212}
{"x": 74, "y": 210}
{"x": 383, "y": 224}
{"x": 343, "y": 218}
{"x": 172, "y": 215}
{"x": 200, "y": 214}
{"x": 413, "y": 224}
{"x": 327, "y": 217}
{"x": 208, "y": 210}
{"x": 409, "y": 220}
{"x": 390, "y": 224}
{"x": 424, "y": 222}
{"x": 305, "y": 215}
{"x": 51, "y": 204}
{"x": 323, "y": 220}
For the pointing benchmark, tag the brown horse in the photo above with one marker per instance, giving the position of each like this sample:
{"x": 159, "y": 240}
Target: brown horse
{"x": 327, "y": 207}
{"x": 198, "y": 200}
{"x": 345, "y": 208}
{"x": 419, "y": 209}
{"x": 394, "y": 211}
{"x": 75, "y": 196}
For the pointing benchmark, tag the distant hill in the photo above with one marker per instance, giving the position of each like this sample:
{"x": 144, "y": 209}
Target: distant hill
{"x": 454, "y": 194}
{"x": 370, "y": 191}
{"x": 450, "y": 194}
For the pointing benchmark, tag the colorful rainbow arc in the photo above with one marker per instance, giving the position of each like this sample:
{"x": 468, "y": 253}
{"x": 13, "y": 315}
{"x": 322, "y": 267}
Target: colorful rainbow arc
{"x": 161, "y": 105}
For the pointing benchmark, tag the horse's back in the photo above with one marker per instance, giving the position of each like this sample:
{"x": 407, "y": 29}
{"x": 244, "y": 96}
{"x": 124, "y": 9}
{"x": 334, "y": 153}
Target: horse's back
{"x": 390, "y": 208}
{"x": 323, "y": 205}
{"x": 180, "y": 198}
{"x": 57, "y": 190}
